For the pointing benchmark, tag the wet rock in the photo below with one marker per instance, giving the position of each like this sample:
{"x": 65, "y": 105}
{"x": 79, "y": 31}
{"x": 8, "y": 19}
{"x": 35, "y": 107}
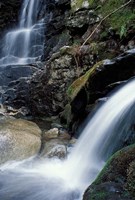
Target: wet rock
{"x": 105, "y": 191}
{"x": 53, "y": 148}
{"x": 118, "y": 69}
{"x": 51, "y": 134}
{"x": 79, "y": 22}
{"x": 49, "y": 86}
{"x": 130, "y": 184}
{"x": 76, "y": 5}
{"x": 96, "y": 82}
{"x": 45, "y": 93}
{"x": 56, "y": 133}
{"x": 15, "y": 88}
{"x": 58, "y": 151}
{"x": 56, "y": 33}
{"x": 19, "y": 139}
{"x": 56, "y": 125}
{"x": 115, "y": 180}
{"x": 9, "y": 74}
{"x": 54, "y": 143}
{"x": 73, "y": 141}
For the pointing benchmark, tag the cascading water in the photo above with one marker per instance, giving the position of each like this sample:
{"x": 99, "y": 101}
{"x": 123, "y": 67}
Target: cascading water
{"x": 25, "y": 44}
{"x": 67, "y": 180}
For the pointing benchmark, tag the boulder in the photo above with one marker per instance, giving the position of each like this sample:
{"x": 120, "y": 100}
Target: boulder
{"x": 51, "y": 134}
{"x": 116, "y": 180}
{"x": 54, "y": 143}
{"x": 98, "y": 82}
{"x": 58, "y": 151}
{"x": 19, "y": 139}
{"x": 56, "y": 133}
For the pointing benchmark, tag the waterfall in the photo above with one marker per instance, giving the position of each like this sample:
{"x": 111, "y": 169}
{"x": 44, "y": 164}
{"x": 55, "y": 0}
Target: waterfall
{"x": 25, "y": 44}
{"x": 67, "y": 180}
{"x": 105, "y": 133}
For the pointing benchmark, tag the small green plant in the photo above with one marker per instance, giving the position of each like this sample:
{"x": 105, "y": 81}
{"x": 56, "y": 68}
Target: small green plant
{"x": 123, "y": 31}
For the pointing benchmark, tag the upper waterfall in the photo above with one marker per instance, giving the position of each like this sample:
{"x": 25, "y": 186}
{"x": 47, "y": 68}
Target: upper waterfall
{"x": 29, "y": 13}
{"x": 25, "y": 44}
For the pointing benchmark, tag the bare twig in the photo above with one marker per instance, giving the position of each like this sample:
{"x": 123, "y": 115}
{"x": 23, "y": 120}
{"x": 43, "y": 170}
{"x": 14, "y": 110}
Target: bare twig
{"x": 124, "y": 5}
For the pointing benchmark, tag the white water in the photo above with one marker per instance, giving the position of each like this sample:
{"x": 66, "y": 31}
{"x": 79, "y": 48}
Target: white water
{"x": 67, "y": 180}
{"x": 25, "y": 44}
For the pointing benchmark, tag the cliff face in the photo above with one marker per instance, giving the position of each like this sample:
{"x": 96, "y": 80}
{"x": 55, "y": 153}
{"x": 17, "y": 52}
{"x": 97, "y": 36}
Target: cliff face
{"x": 56, "y": 32}
{"x": 67, "y": 30}
{"x": 68, "y": 25}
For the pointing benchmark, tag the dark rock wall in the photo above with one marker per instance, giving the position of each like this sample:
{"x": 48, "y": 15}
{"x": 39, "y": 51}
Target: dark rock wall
{"x": 47, "y": 89}
{"x": 9, "y": 11}
{"x": 56, "y": 34}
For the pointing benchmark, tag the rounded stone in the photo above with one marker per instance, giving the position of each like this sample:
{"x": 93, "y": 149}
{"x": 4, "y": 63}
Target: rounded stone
{"x": 19, "y": 139}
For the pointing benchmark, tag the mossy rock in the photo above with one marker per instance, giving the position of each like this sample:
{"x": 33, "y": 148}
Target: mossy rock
{"x": 97, "y": 79}
{"x": 116, "y": 167}
{"x": 130, "y": 185}
{"x": 76, "y": 4}
{"x": 78, "y": 84}
{"x": 117, "y": 179}
{"x": 120, "y": 20}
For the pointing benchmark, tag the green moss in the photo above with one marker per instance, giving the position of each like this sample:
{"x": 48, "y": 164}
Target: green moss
{"x": 121, "y": 19}
{"x": 130, "y": 185}
{"x": 78, "y": 84}
{"x": 119, "y": 172}
{"x": 100, "y": 195}
{"x": 77, "y": 4}
{"x": 116, "y": 167}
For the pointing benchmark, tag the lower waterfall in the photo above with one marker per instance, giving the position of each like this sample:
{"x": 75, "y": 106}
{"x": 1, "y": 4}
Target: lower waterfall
{"x": 53, "y": 179}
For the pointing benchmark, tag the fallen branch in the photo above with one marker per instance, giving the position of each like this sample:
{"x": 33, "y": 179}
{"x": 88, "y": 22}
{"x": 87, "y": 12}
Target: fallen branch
{"x": 124, "y": 5}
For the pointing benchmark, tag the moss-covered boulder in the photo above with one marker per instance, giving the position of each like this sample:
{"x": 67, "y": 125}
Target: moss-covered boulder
{"x": 116, "y": 180}
{"x": 98, "y": 79}
{"x": 130, "y": 184}
{"x": 78, "y": 84}
{"x": 97, "y": 82}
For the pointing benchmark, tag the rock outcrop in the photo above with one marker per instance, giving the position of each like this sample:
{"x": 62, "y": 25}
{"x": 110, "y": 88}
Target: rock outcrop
{"x": 45, "y": 93}
{"x": 56, "y": 32}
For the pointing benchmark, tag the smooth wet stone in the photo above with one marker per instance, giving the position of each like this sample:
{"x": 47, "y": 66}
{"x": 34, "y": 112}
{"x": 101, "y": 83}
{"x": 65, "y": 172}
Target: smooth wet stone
{"x": 19, "y": 139}
{"x": 54, "y": 143}
{"x": 56, "y": 133}
{"x": 58, "y": 151}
